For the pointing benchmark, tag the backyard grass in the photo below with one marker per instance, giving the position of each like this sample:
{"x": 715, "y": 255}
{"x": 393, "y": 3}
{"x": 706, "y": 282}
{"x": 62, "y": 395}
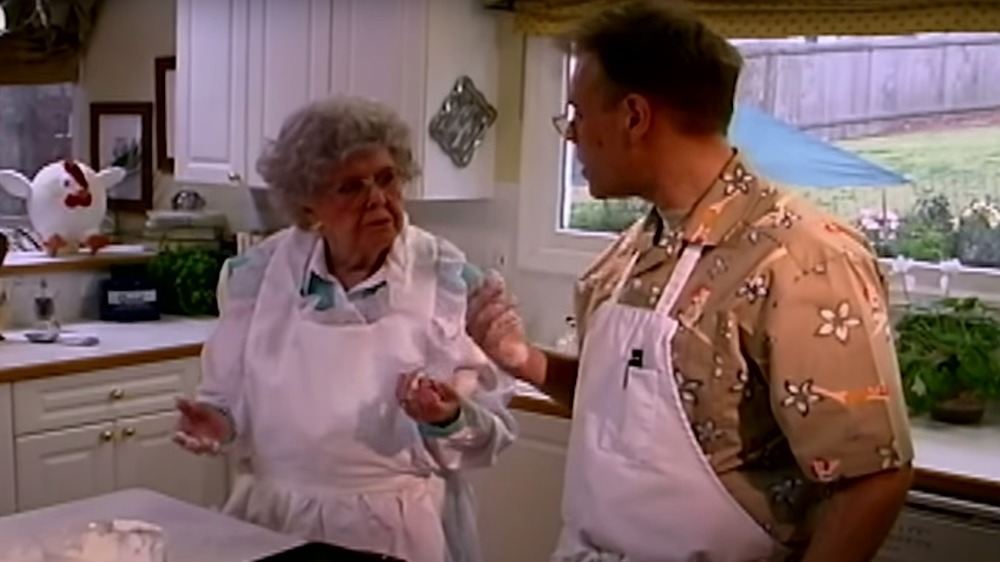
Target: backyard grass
{"x": 962, "y": 164}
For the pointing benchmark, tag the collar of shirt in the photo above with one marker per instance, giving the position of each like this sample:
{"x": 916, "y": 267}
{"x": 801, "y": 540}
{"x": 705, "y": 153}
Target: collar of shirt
{"x": 733, "y": 194}
{"x": 320, "y": 283}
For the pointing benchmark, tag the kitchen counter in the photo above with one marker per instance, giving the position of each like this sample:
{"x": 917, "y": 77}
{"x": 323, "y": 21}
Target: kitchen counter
{"x": 121, "y": 344}
{"x": 191, "y": 533}
{"x": 962, "y": 462}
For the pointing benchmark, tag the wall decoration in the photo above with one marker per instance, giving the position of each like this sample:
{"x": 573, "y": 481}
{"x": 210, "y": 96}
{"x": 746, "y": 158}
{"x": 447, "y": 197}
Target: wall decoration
{"x": 164, "y": 82}
{"x": 460, "y": 126}
{"x": 121, "y": 135}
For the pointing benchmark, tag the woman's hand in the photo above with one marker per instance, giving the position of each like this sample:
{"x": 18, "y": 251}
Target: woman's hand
{"x": 201, "y": 428}
{"x": 427, "y": 400}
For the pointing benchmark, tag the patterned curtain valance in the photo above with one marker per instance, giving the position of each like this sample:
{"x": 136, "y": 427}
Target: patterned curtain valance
{"x": 783, "y": 18}
{"x": 44, "y": 39}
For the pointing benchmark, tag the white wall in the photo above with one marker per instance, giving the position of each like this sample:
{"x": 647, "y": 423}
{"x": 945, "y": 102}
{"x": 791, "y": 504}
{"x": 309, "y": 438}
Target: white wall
{"x": 119, "y": 67}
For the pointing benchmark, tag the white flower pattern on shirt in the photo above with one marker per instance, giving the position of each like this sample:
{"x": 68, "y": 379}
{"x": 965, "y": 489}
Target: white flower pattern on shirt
{"x": 800, "y": 396}
{"x": 838, "y": 322}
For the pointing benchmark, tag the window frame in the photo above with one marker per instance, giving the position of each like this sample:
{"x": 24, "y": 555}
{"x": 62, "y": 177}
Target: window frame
{"x": 543, "y": 247}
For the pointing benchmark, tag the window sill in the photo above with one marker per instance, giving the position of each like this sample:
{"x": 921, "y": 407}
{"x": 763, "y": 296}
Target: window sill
{"x": 570, "y": 254}
{"x": 26, "y": 263}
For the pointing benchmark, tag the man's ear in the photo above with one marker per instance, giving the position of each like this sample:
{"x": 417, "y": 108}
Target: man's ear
{"x": 638, "y": 115}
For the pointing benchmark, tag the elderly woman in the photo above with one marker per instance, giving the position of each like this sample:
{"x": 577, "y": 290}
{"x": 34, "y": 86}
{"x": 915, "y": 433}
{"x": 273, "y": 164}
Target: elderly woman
{"x": 340, "y": 369}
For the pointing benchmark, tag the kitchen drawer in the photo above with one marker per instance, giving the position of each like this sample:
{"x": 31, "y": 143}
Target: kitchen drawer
{"x": 98, "y": 396}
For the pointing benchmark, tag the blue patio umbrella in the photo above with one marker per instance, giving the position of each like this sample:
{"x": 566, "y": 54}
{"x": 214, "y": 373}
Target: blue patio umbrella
{"x": 791, "y": 156}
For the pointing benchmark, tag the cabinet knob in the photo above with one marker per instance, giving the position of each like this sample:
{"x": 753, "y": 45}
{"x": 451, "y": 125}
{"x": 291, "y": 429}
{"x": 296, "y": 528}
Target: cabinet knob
{"x": 117, "y": 394}
{"x": 234, "y": 177}
{"x": 128, "y": 432}
{"x": 107, "y": 435}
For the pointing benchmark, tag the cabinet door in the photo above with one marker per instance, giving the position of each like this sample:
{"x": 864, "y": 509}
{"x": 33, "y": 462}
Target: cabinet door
{"x": 289, "y": 53}
{"x": 7, "y": 483}
{"x": 378, "y": 50}
{"x": 65, "y": 465}
{"x": 519, "y": 499}
{"x": 145, "y": 457}
{"x": 211, "y": 85}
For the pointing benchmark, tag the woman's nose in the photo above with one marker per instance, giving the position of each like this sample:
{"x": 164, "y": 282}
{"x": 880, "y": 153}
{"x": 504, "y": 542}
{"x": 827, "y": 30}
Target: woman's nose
{"x": 376, "y": 196}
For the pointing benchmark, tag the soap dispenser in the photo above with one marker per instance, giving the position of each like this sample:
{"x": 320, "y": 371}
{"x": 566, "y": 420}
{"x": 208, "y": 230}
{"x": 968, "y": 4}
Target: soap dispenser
{"x": 45, "y": 309}
{"x": 568, "y": 343}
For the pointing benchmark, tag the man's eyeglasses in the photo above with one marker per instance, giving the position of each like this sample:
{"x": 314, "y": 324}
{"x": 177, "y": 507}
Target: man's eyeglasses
{"x": 565, "y": 124}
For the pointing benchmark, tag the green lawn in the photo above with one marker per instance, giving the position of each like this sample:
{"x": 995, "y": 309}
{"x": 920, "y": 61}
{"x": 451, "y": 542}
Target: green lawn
{"x": 963, "y": 164}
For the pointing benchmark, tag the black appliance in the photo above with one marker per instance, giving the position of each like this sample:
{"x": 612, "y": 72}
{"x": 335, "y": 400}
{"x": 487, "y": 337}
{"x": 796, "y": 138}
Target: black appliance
{"x": 128, "y": 296}
{"x": 322, "y": 552}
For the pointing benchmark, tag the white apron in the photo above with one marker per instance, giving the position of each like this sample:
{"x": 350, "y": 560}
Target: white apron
{"x": 638, "y": 487}
{"x": 333, "y": 456}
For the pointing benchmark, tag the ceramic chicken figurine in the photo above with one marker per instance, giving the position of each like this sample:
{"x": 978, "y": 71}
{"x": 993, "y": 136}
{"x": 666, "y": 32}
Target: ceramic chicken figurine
{"x": 67, "y": 201}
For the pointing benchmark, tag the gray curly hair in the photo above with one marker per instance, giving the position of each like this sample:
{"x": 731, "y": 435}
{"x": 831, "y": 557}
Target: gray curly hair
{"x": 318, "y": 137}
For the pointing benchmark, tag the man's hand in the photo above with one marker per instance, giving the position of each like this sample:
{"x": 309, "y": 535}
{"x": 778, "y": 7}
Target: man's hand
{"x": 427, "y": 400}
{"x": 495, "y": 325}
{"x": 858, "y": 518}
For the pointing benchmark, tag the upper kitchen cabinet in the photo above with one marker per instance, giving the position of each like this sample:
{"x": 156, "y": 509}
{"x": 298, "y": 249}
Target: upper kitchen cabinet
{"x": 244, "y": 65}
{"x": 211, "y": 91}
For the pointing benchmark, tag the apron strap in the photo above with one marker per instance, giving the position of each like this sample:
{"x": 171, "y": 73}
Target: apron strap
{"x": 682, "y": 272}
{"x": 672, "y": 290}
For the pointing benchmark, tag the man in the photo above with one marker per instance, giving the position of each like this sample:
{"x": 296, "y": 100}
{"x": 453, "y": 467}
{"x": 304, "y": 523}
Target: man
{"x": 737, "y": 397}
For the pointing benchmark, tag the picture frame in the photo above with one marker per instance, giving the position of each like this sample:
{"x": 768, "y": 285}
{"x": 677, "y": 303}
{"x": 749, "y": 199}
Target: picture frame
{"x": 165, "y": 68}
{"x": 121, "y": 134}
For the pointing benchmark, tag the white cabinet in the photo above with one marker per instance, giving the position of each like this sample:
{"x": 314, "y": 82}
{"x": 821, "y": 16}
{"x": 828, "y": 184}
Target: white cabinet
{"x": 288, "y": 66}
{"x": 244, "y": 65}
{"x": 519, "y": 499}
{"x": 210, "y": 128}
{"x": 86, "y": 434}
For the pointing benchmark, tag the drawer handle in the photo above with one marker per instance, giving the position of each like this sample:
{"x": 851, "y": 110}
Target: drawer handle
{"x": 107, "y": 435}
{"x": 234, "y": 177}
{"x": 128, "y": 432}
{"x": 117, "y": 394}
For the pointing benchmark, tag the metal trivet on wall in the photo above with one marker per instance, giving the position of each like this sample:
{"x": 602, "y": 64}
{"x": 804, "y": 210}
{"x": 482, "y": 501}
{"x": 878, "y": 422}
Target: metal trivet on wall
{"x": 460, "y": 126}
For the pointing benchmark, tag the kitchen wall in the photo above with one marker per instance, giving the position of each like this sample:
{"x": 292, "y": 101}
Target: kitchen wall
{"x": 119, "y": 67}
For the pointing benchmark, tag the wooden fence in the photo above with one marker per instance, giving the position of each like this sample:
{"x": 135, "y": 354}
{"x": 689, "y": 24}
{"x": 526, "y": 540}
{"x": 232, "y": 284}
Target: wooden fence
{"x": 873, "y": 85}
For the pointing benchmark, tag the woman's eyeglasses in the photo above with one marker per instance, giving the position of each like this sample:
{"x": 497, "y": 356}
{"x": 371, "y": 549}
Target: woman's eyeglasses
{"x": 389, "y": 180}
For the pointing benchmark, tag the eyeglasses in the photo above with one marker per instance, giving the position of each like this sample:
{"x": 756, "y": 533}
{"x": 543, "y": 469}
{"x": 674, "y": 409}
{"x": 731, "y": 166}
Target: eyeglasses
{"x": 389, "y": 180}
{"x": 565, "y": 124}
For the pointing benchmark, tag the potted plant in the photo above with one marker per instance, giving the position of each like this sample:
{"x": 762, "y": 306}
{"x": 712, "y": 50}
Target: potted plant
{"x": 948, "y": 357}
{"x": 186, "y": 279}
{"x": 978, "y": 236}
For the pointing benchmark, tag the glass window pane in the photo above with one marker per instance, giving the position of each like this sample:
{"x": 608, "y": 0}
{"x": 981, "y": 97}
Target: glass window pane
{"x": 35, "y": 129}
{"x": 847, "y": 120}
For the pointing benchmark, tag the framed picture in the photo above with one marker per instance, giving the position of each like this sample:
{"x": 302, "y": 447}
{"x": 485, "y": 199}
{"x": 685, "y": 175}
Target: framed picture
{"x": 121, "y": 134}
{"x": 164, "y": 83}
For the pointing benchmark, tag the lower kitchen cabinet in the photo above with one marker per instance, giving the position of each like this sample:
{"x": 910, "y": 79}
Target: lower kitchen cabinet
{"x": 87, "y": 434}
{"x": 8, "y": 496}
{"x": 519, "y": 499}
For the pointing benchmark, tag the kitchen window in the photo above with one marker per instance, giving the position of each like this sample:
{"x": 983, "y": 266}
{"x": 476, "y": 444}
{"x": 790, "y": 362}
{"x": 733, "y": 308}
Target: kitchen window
{"x": 898, "y": 135}
{"x": 35, "y": 129}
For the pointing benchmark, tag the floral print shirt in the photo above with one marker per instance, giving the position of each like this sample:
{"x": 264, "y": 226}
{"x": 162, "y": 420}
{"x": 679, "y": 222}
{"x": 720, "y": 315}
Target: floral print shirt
{"x": 784, "y": 358}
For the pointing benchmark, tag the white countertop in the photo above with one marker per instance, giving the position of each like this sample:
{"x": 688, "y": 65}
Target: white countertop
{"x": 967, "y": 451}
{"x": 115, "y": 339}
{"x": 191, "y": 533}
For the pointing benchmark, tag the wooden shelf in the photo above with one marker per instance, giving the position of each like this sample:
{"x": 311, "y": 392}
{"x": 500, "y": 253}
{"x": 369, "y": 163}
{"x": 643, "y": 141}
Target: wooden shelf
{"x": 25, "y": 263}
